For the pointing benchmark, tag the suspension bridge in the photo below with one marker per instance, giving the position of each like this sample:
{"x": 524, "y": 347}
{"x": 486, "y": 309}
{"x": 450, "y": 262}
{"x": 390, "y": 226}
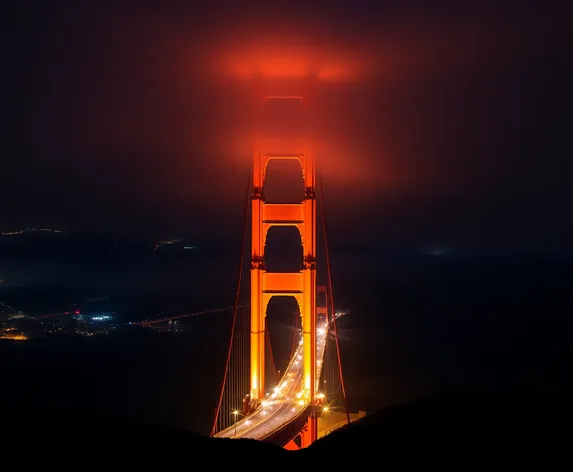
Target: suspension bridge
{"x": 295, "y": 407}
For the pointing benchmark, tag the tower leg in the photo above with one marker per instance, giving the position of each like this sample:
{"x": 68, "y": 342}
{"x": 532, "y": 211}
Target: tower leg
{"x": 257, "y": 338}
{"x": 306, "y": 437}
{"x": 258, "y": 308}
{"x": 311, "y": 432}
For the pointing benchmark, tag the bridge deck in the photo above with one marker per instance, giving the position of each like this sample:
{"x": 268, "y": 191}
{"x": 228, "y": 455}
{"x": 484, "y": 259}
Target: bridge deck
{"x": 335, "y": 420}
{"x": 285, "y": 403}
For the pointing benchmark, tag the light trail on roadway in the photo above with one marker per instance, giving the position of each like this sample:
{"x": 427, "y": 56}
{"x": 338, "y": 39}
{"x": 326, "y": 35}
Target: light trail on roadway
{"x": 285, "y": 403}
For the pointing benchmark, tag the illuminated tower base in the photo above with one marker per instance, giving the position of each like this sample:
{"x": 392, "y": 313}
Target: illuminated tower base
{"x": 306, "y": 437}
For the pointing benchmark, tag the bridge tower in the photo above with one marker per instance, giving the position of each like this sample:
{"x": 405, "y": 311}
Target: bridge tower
{"x": 284, "y": 144}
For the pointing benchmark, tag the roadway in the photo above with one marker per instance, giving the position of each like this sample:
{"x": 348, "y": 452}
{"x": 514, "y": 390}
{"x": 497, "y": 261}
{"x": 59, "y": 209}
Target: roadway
{"x": 286, "y": 401}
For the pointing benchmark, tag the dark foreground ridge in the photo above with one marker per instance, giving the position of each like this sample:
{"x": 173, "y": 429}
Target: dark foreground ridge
{"x": 460, "y": 431}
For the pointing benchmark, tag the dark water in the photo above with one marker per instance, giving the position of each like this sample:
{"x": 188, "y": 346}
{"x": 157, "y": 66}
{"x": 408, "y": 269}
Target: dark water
{"x": 419, "y": 324}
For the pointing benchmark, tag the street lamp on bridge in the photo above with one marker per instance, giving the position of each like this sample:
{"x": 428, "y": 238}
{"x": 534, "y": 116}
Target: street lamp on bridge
{"x": 236, "y": 414}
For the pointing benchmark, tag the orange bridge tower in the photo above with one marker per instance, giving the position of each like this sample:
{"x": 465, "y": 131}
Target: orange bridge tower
{"x": 283, "y": 143}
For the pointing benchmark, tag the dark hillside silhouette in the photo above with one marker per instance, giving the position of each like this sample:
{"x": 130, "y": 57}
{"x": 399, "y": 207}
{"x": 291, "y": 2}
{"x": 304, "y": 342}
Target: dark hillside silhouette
{"x": 457, "y": 430}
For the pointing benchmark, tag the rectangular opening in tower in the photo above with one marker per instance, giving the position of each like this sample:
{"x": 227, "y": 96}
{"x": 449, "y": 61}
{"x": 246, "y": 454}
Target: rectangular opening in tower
{"x": 283, "y": 181}
{"x": 283, "y": 249}
{"x": 284, "y": 333}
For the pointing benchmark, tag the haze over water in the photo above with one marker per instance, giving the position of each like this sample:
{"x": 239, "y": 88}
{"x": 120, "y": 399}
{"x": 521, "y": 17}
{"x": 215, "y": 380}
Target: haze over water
{"x": 419, "y": 324}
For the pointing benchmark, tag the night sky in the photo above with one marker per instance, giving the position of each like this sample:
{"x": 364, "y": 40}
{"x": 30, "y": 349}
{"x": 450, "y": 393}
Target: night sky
{"x": 437, "y": 124}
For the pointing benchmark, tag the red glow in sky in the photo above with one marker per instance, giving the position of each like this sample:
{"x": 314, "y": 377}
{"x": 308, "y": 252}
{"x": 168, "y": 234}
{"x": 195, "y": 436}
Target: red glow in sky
{"x": 281, "y": 63}
{"x": 158, "y": 103}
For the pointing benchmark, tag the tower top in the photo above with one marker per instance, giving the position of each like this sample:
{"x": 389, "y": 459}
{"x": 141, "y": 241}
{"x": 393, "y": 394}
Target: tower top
{"x": 283, "y": 89}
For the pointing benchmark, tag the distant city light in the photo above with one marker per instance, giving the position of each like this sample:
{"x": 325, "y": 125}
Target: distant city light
{"x": 167, "y": 243}
{"x": 31, "y": 230}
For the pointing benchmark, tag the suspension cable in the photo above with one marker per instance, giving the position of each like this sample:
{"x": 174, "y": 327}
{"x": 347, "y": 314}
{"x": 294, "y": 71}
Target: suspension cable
{"x": 273, "y": 363}
{"x": 235, "y": 308}
{"x": 294, "y": 330}
{"x": 332, "y": 298}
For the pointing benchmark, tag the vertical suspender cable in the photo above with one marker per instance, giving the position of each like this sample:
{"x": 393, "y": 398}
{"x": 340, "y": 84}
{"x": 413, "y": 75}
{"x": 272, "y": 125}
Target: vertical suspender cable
{"x": 242, "y": 335}
{"x": 236, "y": 307}
{"x": 332, "y": 298}
{"x": 273, "y": 363}
{"x": 294, "y": 329}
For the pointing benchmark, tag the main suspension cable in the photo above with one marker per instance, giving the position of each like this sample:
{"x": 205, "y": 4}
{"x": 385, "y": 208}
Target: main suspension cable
{"x": 332, "y": 298}
{"x": 236, "y": 307}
